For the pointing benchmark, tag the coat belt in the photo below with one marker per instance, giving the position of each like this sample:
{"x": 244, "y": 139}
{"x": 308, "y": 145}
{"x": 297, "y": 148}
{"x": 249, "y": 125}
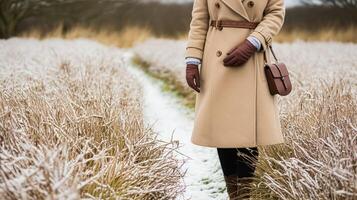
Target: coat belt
{"x": 219, "y": 24}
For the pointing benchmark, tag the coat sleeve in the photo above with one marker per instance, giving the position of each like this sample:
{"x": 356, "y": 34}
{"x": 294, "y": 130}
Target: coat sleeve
{"x": 271, "y": 23}
{"x": 198, "y": 30}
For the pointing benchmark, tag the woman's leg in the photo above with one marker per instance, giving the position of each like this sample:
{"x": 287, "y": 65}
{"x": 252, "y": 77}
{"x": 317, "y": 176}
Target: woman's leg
{"x": 228, "y": 159}
{"x": 238, "y": 161}
{"x": 238, "y": 165}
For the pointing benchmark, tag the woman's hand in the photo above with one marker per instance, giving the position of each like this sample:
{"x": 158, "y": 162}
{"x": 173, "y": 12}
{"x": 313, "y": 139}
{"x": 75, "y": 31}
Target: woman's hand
{"x": 240, "y": 54}
{"x": 193, "y": 77}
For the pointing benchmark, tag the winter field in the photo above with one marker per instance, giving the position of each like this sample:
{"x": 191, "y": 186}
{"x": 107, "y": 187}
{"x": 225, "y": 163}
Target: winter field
{"x": 80, "y": 120}
{"x": 319, "y": 118}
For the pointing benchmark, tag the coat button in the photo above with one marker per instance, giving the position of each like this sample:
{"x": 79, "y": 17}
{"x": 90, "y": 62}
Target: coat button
{"x": 219, "y": 53}
{"x": 250, "y": 4}
{"x": 217, "y": 5}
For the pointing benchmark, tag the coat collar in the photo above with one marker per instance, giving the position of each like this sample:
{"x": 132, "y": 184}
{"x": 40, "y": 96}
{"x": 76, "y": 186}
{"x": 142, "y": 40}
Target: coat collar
{"x": 238, "y": 7}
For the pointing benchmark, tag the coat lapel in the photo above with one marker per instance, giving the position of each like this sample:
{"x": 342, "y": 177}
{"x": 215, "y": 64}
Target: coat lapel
{"x": 238, "y": 7}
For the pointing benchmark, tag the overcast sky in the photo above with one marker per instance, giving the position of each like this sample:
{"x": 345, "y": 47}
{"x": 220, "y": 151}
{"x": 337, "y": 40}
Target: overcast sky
{"x": 288, "y": 3}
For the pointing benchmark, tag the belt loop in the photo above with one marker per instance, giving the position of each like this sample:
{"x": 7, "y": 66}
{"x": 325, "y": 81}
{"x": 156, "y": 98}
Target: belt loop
{"x": 219, "y": 25}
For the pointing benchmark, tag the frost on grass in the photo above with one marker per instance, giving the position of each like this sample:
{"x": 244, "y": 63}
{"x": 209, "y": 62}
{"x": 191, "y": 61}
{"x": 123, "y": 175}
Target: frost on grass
{"x": 318, "y": 160}
{"x": 71, "y": 126}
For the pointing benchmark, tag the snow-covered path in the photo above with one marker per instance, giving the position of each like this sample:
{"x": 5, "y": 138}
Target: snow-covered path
{"x": 204, "y": 179}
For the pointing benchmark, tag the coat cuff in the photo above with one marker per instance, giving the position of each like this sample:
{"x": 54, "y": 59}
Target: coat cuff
{"x": 254, "y": 41}
{"x": 194, "y": 61}
{"x": 263, "y": 40}
{"x": 194, "y": 53}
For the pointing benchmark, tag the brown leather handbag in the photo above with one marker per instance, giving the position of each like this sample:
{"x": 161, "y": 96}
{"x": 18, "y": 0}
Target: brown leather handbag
{"x": 277, "y": 76}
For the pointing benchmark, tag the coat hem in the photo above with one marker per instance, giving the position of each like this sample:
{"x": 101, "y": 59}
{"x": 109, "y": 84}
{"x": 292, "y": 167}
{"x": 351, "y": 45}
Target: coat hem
{"x": 235, "y": 146}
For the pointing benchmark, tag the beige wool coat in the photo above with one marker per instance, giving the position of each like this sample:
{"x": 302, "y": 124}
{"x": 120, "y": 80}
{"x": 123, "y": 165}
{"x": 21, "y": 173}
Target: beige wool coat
{"x": 234, "y": 107}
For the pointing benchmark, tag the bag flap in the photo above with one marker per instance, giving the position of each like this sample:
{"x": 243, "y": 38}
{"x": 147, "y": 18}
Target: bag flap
{"x": 278, "y": 70}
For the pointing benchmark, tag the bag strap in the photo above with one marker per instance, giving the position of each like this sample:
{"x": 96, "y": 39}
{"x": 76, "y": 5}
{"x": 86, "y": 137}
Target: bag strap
{"x": 272, "y": 51}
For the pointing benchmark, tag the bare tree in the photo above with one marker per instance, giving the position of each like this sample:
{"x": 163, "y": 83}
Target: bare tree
{"x": 12, "y": 12}
{"x": 336, "y": 3}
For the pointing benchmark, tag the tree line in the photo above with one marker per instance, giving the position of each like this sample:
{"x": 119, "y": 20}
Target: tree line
{"x": 12, "y": 12}
{"x": 170, "y": 19}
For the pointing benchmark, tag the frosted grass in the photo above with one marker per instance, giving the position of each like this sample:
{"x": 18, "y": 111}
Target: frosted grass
{"x": 71, "y": 126}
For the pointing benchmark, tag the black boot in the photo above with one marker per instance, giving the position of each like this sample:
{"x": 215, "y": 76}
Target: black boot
{"x": 244, "y": 187}
{"x": 232, "y": 186}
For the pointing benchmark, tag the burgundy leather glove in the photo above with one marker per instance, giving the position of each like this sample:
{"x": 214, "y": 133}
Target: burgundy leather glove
{"x": 193, "y": 77}
{"x": 240, "y": 54}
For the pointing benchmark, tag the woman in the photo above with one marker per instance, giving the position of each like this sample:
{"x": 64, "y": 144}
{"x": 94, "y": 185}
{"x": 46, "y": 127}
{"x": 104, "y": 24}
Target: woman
{"x": 235, "y": 112}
